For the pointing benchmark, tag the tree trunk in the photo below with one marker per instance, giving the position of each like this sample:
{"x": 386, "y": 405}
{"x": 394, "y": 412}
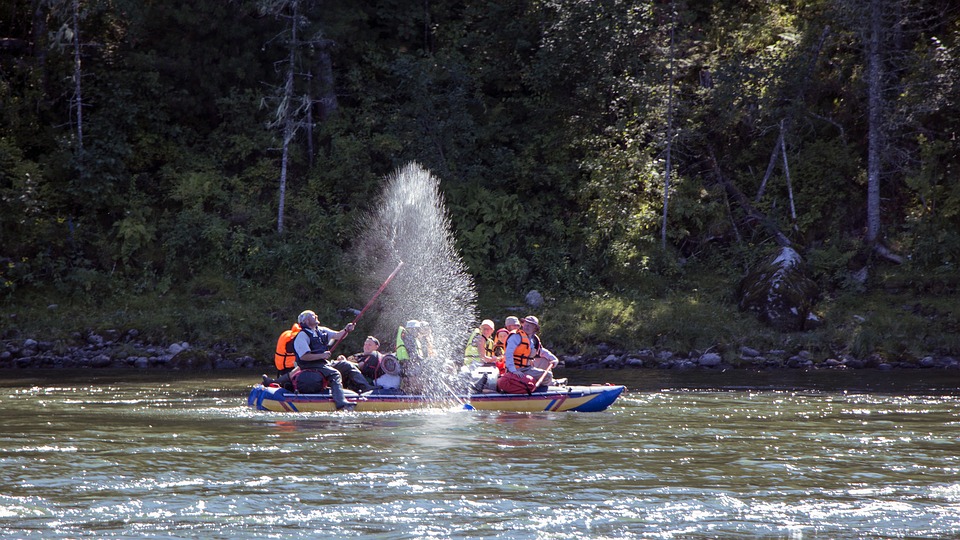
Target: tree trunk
{"x": 286, "y": 113}
{"x": 875, "y": 118}
{"x": 786, "y": 173}
{"x": 328, "y": 93}
{"x": 666, "y": 175}
{"x": 752, "y": 213}
{"x": 78, "y": 95}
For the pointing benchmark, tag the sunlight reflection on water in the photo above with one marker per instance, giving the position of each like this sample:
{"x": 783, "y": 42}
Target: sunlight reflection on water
{"x": 663, "y": 462}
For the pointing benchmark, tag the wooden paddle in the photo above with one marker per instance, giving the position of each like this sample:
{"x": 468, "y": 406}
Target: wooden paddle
{"x": 366, "y": 307}
{"x": 540, "y": 380}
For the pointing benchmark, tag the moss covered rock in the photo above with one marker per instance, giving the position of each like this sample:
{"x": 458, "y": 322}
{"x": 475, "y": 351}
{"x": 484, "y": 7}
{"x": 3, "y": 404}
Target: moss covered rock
{"x": 779, "y": 291}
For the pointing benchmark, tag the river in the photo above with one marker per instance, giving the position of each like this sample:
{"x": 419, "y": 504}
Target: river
{"x": 108, "y": 454}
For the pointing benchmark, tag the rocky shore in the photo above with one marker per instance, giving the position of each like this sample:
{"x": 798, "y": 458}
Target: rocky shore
{"x": 116, "y": 349}
{"x": 747, "y": 358}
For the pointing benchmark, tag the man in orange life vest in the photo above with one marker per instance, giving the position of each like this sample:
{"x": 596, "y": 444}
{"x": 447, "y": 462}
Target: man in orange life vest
{"x": 525, "y": 355}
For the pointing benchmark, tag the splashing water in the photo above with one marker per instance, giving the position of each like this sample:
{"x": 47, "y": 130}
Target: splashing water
{"x": 410, "y": 224}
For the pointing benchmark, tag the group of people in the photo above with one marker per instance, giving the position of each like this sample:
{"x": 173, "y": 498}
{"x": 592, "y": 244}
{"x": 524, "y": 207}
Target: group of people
{"x": 515, "y": 349}
{"x": 304, "y": 356}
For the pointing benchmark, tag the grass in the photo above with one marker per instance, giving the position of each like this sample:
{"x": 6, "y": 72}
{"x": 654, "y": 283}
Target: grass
{"x": 901, "y": 316}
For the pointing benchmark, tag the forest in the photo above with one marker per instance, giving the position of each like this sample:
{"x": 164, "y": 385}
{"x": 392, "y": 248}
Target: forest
{"x": 228, "y": 150}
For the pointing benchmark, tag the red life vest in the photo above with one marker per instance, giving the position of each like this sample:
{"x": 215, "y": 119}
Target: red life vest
{"x": 285, "y": 357}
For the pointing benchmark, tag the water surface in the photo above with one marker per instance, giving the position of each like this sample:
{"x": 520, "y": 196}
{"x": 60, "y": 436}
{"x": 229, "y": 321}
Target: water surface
{"x": 680, "y": 455}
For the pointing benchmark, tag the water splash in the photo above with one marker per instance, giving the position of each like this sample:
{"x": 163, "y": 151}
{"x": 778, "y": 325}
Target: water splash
{"x": 410, "y": 223}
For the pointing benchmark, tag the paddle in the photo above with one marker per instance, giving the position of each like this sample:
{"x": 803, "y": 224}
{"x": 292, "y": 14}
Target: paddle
{"x": 466, "y": 406}
{"x": 540, "y": 380}
{"x": 370, "y": 303}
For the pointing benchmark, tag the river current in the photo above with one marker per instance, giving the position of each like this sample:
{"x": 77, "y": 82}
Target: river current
{"x": 693, "y": 454}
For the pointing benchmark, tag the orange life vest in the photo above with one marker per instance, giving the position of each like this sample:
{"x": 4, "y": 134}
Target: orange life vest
{"x": 285, "y": 357}
{"x": 524, "y": 353}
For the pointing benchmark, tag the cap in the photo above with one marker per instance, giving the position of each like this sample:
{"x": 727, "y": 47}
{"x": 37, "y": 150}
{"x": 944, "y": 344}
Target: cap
{"x": 511, "y": 320}
{"x": 532, "y": 320}
{"x": 488, "y": 323}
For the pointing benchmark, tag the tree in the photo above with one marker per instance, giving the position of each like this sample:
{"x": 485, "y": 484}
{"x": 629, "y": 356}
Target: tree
{"x": 293, "y": 108}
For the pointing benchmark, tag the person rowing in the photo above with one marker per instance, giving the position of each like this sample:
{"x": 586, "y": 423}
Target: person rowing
{"x": 525, "y": 355}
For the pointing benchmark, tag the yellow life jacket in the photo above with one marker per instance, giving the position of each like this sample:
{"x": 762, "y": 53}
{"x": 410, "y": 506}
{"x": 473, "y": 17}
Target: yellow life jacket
{"x": 401, "y": 354}
{"x": 471, "y": 353}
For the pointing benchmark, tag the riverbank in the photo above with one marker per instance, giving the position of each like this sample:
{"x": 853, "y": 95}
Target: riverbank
{"x": 115, "y": 349}
{"x": 900, "y": 322}
{"x": 118, "y": 350}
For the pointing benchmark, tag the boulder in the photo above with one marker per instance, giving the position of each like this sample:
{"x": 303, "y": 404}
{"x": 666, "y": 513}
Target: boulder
{"x": 710, "y": 360}
{"x": 534, "y": 299}
{"x": 779, "y": 292}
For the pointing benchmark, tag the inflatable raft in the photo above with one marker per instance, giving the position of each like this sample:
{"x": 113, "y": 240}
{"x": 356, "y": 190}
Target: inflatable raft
{"x": 592, "y": 398}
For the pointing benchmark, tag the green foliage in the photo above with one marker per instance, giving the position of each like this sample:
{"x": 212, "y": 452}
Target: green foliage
{"x": 546, "y": 122}
{"x": 832, "y": 265}
{"x": 932, "y": 229}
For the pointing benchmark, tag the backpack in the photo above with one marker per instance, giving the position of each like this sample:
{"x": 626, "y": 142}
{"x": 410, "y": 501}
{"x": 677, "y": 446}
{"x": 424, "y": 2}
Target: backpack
{"x": 516, "y": 383}
{"x": 309, "y": 381}
{"x": 371, "y": 366}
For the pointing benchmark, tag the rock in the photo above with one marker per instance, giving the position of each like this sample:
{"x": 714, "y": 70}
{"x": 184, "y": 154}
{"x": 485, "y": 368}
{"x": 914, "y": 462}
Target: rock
{"x": 633, "y": 361}
{"x": 100, "y": 361}
{"x": 249, "y": 361}
{"x": 29, "y": 343}
{"x": 611, "y": 360}
{"x": 174, "y": 349}
{"x": 927, "y": 362}
{"x": 747, "y": 352}
{"x": 813, "y": 322}
{"x": 534, "y": 299}
{"x": 141, "y": 362}
{"x": 710, "y": 360}
{"x": 573, "y": 361}
{"x": 860, "y": 276}
{"x": 225, "y": 363}
{"x": 779, "y": 291}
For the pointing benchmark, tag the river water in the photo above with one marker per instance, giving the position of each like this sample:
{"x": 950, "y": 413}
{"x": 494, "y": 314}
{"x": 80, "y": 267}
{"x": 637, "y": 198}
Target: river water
{"x": 680, "y": 455}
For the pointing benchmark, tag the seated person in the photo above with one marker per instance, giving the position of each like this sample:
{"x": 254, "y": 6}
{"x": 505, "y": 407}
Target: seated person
{"x": 380, "y": 370}
{"x": 526, "y": 356}
{"x": 312, "y": 347}
{"x": 479, "y": 349}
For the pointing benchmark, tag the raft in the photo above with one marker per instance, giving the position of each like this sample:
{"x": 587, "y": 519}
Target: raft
{"x": 591, "y": 398}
